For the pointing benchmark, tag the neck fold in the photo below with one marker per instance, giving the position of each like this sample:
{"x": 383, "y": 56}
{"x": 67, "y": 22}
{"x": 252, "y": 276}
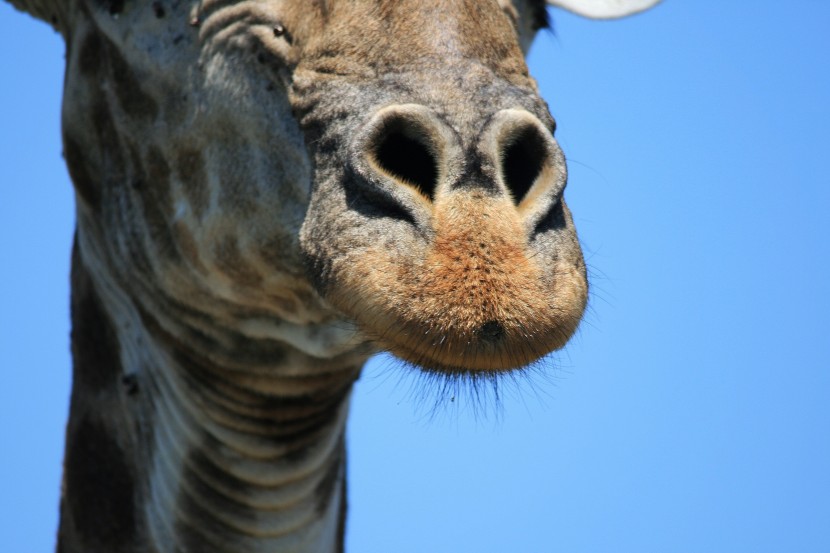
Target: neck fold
{"x": 230, "y": 443}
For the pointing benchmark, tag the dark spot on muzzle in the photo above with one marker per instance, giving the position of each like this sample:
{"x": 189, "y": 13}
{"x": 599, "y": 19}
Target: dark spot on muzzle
{"x": 491, "y": 331}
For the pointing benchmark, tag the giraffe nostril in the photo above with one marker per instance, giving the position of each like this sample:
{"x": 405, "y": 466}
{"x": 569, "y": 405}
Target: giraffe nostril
{"x": 491, "y": 331}
{"x": 402, "y": 151}
{"x": 523, "y": 158}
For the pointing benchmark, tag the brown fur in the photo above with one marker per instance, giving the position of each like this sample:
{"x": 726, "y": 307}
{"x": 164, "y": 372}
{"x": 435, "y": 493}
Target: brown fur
{"x": 477, "y": 270}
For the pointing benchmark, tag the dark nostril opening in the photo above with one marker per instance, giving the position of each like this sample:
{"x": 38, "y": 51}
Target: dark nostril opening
{"x": 402, "y": 152}
{"x": 522, "y": 161}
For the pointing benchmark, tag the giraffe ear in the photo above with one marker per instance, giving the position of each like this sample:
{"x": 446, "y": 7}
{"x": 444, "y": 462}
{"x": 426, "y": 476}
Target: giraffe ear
{"x": 604, "y": 9}
{"x": 50, "y": 11}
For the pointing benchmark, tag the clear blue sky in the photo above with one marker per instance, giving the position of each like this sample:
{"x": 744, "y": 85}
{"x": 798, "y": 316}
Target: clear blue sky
{"x": 691, "y": 413}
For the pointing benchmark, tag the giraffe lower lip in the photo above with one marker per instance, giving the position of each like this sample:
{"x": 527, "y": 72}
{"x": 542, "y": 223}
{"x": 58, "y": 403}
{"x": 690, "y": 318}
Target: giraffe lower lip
{"x": 482, "y": 354}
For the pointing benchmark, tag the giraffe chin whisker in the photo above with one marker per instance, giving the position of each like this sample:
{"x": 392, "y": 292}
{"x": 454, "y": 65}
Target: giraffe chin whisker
{"x": 469, "y": 356}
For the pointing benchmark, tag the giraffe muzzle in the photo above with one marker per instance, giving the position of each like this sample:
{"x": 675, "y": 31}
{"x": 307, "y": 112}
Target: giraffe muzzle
{"x": 460, "y": 256}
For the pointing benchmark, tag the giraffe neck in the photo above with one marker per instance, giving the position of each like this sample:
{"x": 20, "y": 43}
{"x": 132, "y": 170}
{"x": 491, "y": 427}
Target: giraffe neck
{"x": 196, "y": 438}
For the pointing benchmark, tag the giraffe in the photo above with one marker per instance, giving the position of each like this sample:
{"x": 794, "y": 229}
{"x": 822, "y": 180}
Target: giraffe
{"x": 267, "y": 192}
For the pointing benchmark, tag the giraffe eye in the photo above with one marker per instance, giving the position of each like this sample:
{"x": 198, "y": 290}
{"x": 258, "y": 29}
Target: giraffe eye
{"x": 281, "y": 32}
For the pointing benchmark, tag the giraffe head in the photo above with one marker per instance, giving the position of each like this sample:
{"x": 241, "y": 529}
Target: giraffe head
{"x": 388, "y": 162}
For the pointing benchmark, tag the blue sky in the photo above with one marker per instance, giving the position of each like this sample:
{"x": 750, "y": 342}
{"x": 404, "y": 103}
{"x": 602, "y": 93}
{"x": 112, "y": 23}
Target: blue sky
{"x": 692, "y": 411}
